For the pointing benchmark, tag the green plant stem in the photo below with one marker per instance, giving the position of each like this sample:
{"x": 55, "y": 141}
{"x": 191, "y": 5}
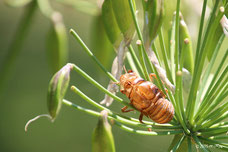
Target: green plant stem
{"x": 213, "y": 131}
{"x": 177, "y": 31}
{"x": 164, "y": 55}
{"x": 150, "y": 133}
{"x": 131, "y": 63}
{"x": 198, "y": 69}
{"x": 199, "y": 143}
{"x": 122, "y": 119}
{"x": 156, "y": 52}
{"x": 112, "y": 115}
{"x": 90, "y": 54}
{"x": 175, "y": 147}
{"x": 136, "y": 60}
{"x": 211, "y": 141}
{"x": 146, "y": 74}
{"x": 100, "y": 87}
{"x": 218, "y": 137}
{"x": 17, "y": 43}
{"x": 212, "y": 87}
{"x": 200, "y": 30}
{"x": 209, "y": 68}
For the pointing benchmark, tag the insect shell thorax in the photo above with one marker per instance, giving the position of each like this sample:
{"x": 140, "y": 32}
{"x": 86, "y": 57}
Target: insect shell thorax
{"x": 126, "y": 82}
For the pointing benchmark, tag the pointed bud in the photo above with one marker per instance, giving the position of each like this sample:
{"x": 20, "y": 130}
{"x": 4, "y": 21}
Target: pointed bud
{"x": 102, "y": 139}
{"x": 57, "y": 89}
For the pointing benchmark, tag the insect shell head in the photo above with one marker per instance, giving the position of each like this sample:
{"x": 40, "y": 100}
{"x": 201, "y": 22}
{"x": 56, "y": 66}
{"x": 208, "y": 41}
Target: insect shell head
{"x": 126, "y": 82}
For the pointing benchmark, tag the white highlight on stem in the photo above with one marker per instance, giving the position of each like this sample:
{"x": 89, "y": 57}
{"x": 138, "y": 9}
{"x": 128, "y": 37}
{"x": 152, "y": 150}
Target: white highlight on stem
{"x": 34, "y": 119}
{"x": 224, "y": 23}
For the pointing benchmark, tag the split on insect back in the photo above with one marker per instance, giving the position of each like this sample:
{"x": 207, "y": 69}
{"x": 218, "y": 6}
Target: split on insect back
{"x": 198, "y": 121}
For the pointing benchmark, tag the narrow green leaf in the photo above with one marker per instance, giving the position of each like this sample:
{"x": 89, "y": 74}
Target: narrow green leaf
{"x": 57, "y": 89}
{"x": 102, "y": 138}
{"x": 57, "y": 43}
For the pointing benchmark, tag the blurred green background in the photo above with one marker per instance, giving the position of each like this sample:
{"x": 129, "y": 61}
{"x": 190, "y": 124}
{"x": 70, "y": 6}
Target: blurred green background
{"x": 24, "y": 95}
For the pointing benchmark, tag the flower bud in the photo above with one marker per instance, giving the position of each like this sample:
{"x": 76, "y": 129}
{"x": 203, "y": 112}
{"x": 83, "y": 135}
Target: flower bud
{"x": 57, "y": 89}
{"x": 102, "y": 138}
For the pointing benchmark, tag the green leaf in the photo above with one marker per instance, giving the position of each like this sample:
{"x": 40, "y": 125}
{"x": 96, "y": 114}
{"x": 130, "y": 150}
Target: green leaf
{"x": 102, "y": 139}
{"x": 57, "y": 43}
{"x": 124, "y": 19}
{"x": 57, "y": 89}
{"x": 110, "y": 24}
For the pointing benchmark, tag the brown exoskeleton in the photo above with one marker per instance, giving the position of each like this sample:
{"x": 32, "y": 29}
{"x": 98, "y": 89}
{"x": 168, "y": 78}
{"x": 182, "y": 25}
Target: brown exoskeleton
{"x": 146, "y": 98}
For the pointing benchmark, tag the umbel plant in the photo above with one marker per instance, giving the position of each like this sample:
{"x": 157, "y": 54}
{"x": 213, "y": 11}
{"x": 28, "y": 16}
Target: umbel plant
{"x": 183, "y": 73}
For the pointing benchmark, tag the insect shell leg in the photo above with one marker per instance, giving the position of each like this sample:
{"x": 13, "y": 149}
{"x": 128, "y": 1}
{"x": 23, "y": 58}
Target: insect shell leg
{"x": 152, "y": 76}
{"x": 124, "y": 109}
{"x": 140, "y": 118}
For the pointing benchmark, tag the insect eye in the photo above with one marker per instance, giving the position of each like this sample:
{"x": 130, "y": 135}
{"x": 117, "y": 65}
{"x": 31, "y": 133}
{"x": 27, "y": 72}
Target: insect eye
{"x": 128, "y": 84}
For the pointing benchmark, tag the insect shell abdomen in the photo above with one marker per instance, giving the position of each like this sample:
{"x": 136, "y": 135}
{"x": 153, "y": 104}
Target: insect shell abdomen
{"x": 162, "y": 111}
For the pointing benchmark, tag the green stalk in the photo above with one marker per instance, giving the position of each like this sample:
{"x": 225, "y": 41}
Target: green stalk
{"x": 132, "y": 63}
{"x": 209, "y": 68}
{"x": 164, "y": 55}
{"x": 117, "y": 117}
{"x": 200, "y": 30}
{"x": 110, "y": 116}
{"x": 214, "y": 132}
{"x": 90, "y": 54}
{"x": 172, "y": 50}
{"x": 198, "y": 70}
{"x": 199, "y": 143}
{"x": 177, "y": 22}
{"x": 211, "y": 88}
{"x": 17, "y": 43}
{"x": 214, "y": 92}
{"x": 210, "y": 141}
{"x": 156, "y": 52}
{"x": 100, "y": 87}
{"x": 150, "y": 133}
{"x": 175, "y": 147}
{"x": 136, "y": 60}
{"x": 146, "y": 74}
{"x": 218, "y": 137}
